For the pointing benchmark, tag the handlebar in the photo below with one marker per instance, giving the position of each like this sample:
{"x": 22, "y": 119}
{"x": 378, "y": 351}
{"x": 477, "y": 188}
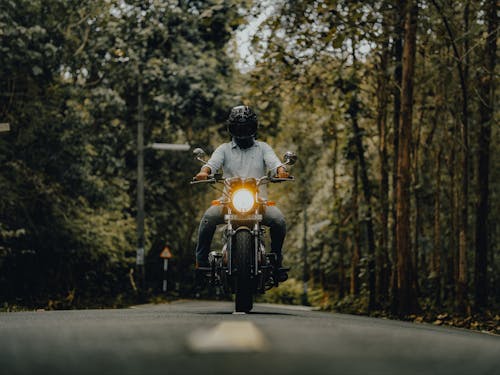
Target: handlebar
{"x": 277, "y": 179}
{"x": 212, "y": 179}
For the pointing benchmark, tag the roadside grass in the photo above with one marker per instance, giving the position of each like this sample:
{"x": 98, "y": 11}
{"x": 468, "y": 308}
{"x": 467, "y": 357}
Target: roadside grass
{"x": 291, "y": 292}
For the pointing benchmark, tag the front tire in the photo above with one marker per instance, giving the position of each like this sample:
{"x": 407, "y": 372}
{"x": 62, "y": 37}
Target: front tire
{"x": 242, "y": 256}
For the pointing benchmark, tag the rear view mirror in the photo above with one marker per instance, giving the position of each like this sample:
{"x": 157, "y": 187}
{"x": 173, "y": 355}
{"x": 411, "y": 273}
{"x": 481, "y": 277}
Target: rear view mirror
{"x": 199, "y": 154}
{"x": 290, "y": 158}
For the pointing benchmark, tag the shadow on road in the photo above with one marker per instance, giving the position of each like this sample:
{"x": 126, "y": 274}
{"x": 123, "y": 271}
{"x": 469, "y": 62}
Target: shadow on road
{"x": 250, "y": 313}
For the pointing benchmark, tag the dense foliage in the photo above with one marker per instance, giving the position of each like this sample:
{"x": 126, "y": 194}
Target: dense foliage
{"x": 330, "y": 79}
{"x": 390, "y": 105}
{"x": 70, "y": 73}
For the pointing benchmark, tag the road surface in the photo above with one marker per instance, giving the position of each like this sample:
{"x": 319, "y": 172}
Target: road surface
{"x": 204, "y": 337}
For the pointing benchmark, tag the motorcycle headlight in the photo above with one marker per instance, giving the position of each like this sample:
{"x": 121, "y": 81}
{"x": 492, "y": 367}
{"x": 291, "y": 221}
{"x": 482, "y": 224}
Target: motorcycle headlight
{"x": 243, "y": 200}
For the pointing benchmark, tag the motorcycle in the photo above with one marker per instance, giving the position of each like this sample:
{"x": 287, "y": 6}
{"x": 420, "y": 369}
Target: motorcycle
{"x": 243, "y": 267}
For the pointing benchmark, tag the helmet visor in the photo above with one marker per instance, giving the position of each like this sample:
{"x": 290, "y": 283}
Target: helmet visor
{"x": 243, "y": 130}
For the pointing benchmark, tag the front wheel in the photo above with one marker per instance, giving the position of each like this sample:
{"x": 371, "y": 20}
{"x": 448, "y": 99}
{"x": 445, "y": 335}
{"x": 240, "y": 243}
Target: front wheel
{"x": 242, "y": 255}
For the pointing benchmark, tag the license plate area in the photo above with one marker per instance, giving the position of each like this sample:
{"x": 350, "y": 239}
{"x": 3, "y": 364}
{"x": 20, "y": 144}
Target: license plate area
{"x": 233, "y": 217}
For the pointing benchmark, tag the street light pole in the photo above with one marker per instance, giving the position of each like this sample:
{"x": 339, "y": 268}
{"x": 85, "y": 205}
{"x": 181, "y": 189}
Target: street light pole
{"x": 140, "y": 188}
{"x": 305, "y": 276}
{"x": 140, "y": 267}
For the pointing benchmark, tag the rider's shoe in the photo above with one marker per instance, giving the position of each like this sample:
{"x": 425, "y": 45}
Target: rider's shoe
{"x": 282, "y": 273}
{"x": 201, "y": 270}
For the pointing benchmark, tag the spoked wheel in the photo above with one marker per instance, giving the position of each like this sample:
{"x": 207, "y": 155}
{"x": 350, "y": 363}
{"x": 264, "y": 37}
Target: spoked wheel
{"x": 242, "y": 255}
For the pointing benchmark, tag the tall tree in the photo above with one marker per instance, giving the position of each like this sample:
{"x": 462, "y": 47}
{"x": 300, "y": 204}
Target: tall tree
{"x": 398, "y": 24}
{"x": 356, "y": 246}
{"x": 383, "y": 265}
{"x": 463, "y": 205}
{"x": 407, "y": 297}
{"x": 487, "y": 107}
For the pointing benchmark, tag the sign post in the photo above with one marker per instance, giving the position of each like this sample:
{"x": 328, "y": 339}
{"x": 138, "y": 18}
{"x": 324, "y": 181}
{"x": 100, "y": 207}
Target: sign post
{"x": 166, "y": 255}
{"x": 4, "y": 127}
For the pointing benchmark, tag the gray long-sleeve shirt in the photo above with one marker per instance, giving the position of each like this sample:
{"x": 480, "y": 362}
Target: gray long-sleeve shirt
{"x": 254, "y": 161}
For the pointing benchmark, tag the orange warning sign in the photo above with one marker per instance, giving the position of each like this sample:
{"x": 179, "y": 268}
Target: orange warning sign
{"x": 166, "y": 254}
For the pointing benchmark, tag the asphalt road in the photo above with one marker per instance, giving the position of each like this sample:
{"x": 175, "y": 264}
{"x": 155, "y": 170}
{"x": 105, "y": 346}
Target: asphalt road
{"x": 201, "y": 337}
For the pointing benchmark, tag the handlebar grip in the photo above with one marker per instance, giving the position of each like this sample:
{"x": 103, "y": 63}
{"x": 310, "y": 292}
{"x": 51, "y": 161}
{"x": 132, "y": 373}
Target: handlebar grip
{"x": 277, "y": 179}
{"x": 210, "y": 179}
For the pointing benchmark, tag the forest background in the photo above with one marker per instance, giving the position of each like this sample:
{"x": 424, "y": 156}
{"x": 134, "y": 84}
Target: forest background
{"x": 390, "y": 105}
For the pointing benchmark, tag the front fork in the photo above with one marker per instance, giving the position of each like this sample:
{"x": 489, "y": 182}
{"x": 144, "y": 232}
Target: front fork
{"x": 256, "y": 232}
{"x": 256, "y": 236}
{"x": 261, "y": 273}
{"x": 230, "y": 233}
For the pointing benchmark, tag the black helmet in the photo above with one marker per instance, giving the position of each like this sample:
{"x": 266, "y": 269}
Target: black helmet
{"x": 242, "y": 122}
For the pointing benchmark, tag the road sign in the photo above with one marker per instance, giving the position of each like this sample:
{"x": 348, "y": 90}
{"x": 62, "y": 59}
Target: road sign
{"x": 4, "y": 127}
{"x": 166, "y": 254}
{"x": 171, "y": 146}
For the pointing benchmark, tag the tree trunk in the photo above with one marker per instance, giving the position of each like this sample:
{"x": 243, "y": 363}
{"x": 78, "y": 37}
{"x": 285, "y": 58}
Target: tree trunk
{"x": 487, "y": 106}
{"x": 461, "y": 285}
{"x": 365, "y": 183}
{"x": 398, "y": 74}
{"x": 382, "y": 251}
{"x": 418, "y": 257}
{"x": 367, "y": 199}
{"x": 435, "y": 275}
{"x": 356, "y": 252}
{"x": 407, "y": 297}
{"x": 341, "y": 272}
{"x": 340, "y": 246}
{"x": 464, "y": 191}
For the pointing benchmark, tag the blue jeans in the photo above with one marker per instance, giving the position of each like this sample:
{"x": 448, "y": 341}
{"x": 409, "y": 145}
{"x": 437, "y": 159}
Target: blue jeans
{"x": 272, "y": 218}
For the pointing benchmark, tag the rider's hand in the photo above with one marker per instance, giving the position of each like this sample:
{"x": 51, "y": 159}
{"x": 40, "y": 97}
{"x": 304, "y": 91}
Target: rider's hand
{"x": 201, "y": 176}
{"x": 282, "y": 173}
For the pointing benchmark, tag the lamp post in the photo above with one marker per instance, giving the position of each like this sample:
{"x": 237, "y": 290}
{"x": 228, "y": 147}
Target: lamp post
{"x": 140, "y": 269}
{"x": 139, "y": 262}
{"x": 305, "y": 276}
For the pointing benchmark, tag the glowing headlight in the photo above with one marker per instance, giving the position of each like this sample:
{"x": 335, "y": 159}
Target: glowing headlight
{"x": 243, "y": 200}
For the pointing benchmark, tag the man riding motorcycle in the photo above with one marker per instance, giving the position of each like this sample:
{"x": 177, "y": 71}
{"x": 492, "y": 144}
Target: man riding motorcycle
{"x": 243, "y": 157}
